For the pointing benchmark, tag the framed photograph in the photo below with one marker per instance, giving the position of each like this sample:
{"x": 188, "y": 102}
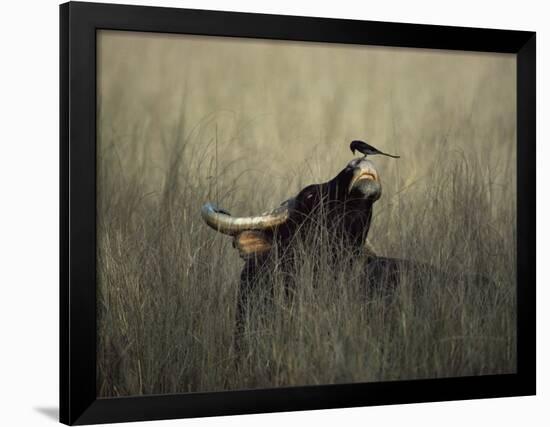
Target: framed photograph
{"x": 268, "y": 213}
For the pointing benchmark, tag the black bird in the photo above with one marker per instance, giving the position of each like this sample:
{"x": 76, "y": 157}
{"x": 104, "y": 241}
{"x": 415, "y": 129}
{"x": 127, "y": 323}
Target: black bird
{"x": 367, "y": 149}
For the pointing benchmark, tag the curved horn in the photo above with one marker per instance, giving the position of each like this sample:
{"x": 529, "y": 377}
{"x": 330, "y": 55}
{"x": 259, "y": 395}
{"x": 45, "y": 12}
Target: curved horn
{"x": 223, "y": 222}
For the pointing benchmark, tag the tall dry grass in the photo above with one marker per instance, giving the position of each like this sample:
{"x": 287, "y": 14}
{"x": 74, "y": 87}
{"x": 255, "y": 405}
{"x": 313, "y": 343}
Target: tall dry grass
{"x": 168, "y": 143}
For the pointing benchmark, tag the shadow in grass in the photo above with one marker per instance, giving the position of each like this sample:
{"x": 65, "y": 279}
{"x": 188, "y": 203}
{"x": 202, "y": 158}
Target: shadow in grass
{"x": 51, "y": 412}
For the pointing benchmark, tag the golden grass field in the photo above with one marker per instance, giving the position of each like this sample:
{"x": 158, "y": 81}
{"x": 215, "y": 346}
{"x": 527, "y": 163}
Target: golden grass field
{"x": 183, "y": 120}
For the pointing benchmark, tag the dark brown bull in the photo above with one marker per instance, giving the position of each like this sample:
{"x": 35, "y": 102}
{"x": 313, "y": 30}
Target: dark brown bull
{"x": 340, "y": 210}
{"x": 342, "y": 206}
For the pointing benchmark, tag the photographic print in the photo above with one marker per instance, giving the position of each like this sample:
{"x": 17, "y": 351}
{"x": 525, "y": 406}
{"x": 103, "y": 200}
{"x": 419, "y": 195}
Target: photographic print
{"x": 279, "y": 213}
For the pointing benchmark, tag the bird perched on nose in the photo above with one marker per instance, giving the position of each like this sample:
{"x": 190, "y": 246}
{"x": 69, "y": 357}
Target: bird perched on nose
{"x": 367, "y": 149}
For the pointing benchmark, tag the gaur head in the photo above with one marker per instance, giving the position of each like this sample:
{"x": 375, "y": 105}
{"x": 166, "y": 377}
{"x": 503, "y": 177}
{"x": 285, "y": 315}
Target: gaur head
{"x": 344, "y": 203}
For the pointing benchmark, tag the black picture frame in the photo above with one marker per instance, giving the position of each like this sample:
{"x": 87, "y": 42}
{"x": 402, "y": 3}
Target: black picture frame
{"x": 78, "y": 25}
